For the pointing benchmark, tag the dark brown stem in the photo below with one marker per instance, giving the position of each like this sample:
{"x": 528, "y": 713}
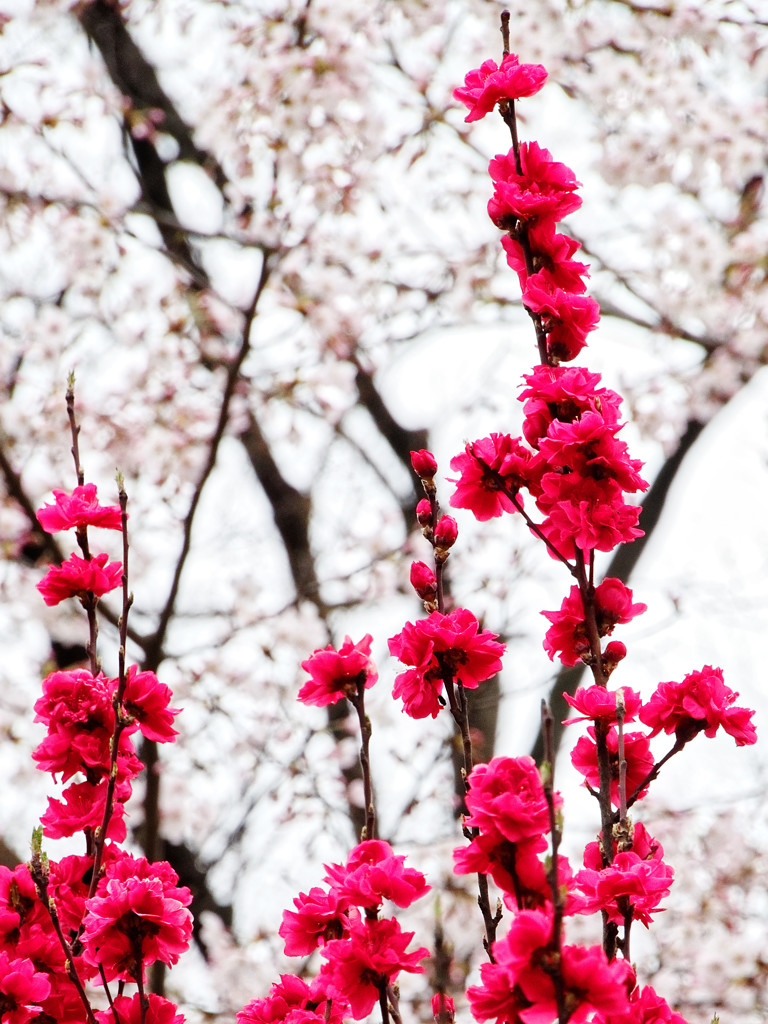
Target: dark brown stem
{"x": 383, "y": 1002}
{"x": 548, "y": 780}
{"x": 505, "y": 32}
{"x": 40, "y": 877}
{"x": 358, "y": 702}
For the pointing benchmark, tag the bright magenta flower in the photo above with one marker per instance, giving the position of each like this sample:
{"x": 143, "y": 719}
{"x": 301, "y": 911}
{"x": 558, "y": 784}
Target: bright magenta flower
{"x": 22, "y": 989}
{"x": 595, "y": 702}
{"x": 701, "y": 703}
{"x": 490, "y": 469}
{"x": 76, "y": 576}
{"x": 637, "y": 753}
{"x": 146, "y": 700}
{"x": 372, "y": 874}
{"x": 544, "y": 190}
{"x": 645, "y": 1007}
{"x": 567, "y": 317}
{"x": 319, "y": 917}
{"x": 290, "y": 997}
{"x": 485, "y": 86}
{"x": 442, "y": 646}
{"x": 132, "y": 923}
{"x": 564, "y": 393}
{"x": 371, "y": 957}
{"x": 336, "y": 674}
{"x": 128, "y": 1008}
{"x": 83, "y": 808}
{"x": 81, "y": 508}
{"x": 588, "y": 525}
{"x": 551, "y": 254}
{"x": 567, "y": 636}
{"x": 630, "y": 881}
{"x": 506, "y": 798}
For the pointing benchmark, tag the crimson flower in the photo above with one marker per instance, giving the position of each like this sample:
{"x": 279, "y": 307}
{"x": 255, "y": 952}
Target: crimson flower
{"x": 631, "y": 882}
{"x": 146, "y": 700}
{"x": 485, "y": 86}
{"x": 22, "y": 989}
{"x": 645, "y": 1007}
{"x": 127, "y": 1009}
{"x": 506, "y": 798}
{"x": 544, "y": 189}
{"x": 551, "y": 254}
{"x": 595, "y": 702}
{"x": 290, "y": 997}
{"x": 81, "y": 508}
{"x": 566, "y": 317}
{"x": 424, "y": 581}
{"x": 588, "y": 524}
{"x": 76, "y": 576}
{"x": 637, "y": 754}
{"x": 373, "y": 873}
{"x": 564, "y": 393}
{"x": 83, "y": 809}
{"x": 701, "y": 703}
{"x": 337, "y": 674}
{"x": 567, "y": 636}
{"x": 131, "y": 923}
{"x": 442, "y": 647}
{"x": 490, "y": 469}
{"x": 319, "y": 916}
{"x": 368, "y": 959}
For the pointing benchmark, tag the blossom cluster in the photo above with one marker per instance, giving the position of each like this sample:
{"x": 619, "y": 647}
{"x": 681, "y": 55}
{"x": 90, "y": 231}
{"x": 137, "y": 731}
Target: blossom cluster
{"x": 363, "y": 953}
{"x": 102, "y": 916}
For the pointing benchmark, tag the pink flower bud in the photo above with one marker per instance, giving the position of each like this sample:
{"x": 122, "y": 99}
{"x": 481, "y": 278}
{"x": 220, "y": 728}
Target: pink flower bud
{"x": 446, "y": 532}
{"x": 615, "y": 652}
{"x": 442, "y": 1008}
{"x": 423, "y": 581}
{"x": 424, "y": 512}
{"x": 424, "y": 463}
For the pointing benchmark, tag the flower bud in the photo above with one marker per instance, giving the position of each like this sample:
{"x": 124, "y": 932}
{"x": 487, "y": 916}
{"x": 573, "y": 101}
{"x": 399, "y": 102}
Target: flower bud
{"x": 442, "y": 1008}
{"x": 614, "y": 652}
{"x": 446, "y": 532}
{"x": 424, "y": 512}
{"x": 424, "y": 463}
{"x": 423, "y": 581}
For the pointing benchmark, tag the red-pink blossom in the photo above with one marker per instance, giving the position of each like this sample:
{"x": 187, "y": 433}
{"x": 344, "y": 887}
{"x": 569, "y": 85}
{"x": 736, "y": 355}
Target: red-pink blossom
{"x": 319, "y": 916}
{"x": 83, "y": 809}
{"x": 372, "y": 874}
{"x": 568, "y": 635}
{"x": 587, "y": 449}
{"x": 424, "y": 512}
{"x": 368, "y": 959}
{"x": 645, "y": 1007}
{"x": 485, "y": 86}
{"x": 630, "y": 882}
{"x": 637, "y": 754}
{"x": 543, "y": 189}
{"x": 491, "y": 470}
{"x": 22, "y": 989}
{"x": 643, "y": 844}
{"x": 132, "y": 923}
{"x": 701, "y": 703}
{"x": 567, "y": 318}
{"x": 596, "y": 703}
{"x": 439, "y": 647}
{"x": 592, "y": 525}
{"x": 292, "y": 994}
{"x": 551, "y": 254}
{"x": 506, "y": 798}
{"x": 337, "y": 674}
{"x": 81, "y": 508}
{"x": 146, "y": 700}
{"x": 564, "y": 393}
{"x": 77, "y": 576}
{"x": 128, "y": 1010}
